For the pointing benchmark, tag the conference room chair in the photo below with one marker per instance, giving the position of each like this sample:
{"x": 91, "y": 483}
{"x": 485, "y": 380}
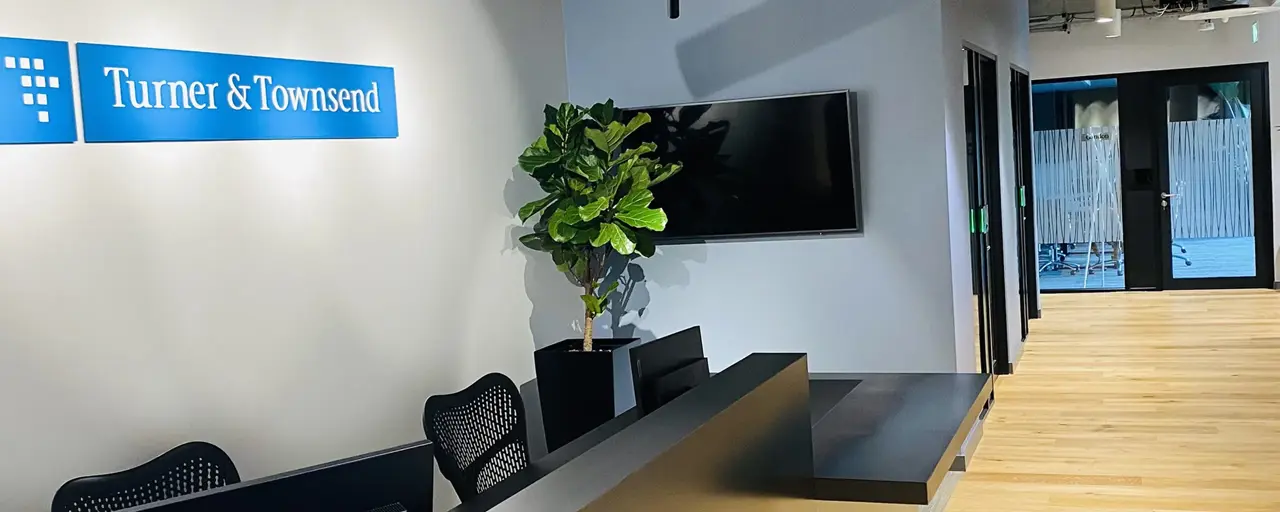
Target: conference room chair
{"x": 187, "y": 469}
{"x": 479, "y": 434}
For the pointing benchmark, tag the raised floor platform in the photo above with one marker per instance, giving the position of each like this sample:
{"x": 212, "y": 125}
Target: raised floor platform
{"x": 891, "y": 438}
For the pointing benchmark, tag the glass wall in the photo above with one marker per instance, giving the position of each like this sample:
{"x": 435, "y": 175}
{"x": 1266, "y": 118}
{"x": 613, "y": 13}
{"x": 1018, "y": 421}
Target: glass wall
{"x": 1076, "y": 167}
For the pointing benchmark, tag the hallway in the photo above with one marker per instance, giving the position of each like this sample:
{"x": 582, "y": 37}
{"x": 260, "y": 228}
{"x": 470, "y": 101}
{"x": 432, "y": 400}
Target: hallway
{"x": 1128, "y": 402}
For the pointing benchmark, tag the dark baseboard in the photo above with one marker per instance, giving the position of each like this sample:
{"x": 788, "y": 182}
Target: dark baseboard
{"x": 1278, "y": 285}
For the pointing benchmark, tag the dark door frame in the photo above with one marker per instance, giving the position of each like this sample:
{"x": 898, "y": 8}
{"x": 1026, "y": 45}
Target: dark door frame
{"x": 1257, "y": 77}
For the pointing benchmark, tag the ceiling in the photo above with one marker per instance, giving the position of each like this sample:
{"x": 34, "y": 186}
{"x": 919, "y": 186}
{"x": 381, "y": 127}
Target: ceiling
{"x": 1043, "y": 8}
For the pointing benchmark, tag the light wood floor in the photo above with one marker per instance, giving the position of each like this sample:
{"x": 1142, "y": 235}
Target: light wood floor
{"x": 1127, "y": 402}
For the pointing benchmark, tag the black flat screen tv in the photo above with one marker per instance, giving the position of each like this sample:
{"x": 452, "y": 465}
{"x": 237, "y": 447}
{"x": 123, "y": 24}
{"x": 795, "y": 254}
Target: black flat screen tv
{"x": 759, "y": 167}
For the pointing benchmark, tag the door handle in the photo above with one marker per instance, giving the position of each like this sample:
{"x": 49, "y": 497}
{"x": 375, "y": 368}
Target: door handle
{"x": 1167, "y": 196}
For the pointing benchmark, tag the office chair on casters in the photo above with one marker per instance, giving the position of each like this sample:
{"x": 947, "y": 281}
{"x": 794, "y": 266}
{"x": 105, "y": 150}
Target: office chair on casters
{"x": 1053, "y": 258}
{"x": 187, "y": 469}
{"x": 479, "y": 434}
{"x": 1185, "y": 259}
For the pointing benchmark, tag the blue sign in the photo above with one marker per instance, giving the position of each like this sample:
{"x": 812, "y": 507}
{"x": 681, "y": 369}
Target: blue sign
{"x": 130, "y": 94}
{"x": 36, "y": 102}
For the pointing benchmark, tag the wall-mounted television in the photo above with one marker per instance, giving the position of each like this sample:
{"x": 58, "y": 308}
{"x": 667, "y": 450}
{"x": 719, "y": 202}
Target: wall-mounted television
{"x": 758, "y": 167}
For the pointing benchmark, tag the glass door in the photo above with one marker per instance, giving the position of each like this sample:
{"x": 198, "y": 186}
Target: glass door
{"x": 1215, "y": 165}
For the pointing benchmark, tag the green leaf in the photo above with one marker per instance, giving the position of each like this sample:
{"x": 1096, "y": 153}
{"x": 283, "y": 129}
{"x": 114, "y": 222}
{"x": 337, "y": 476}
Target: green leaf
{"x": 568, "y": 116}
{"x": 593, "y": 209}
{"x": 638, "y": 198}
{"x": 606, "y": 233}
{"x": 642, "y": 150}
{"x": 593, "y": 304}
{"x": 561, "y": 226}
{"x": 604, "y": 139}
{"x": 666, "y": 171}
{"x": 588, "y": 166}
{"x": 613, "y": 235}
{"x": 550, "y": 115}
{"x": 644, "y": 244}
{"x": 644, "y": 218}
{"x": 562, "y": 258}
{"x": 613, "y": 287}
{"x": 612, "y": 136}
{"x": 577, "y": 184}
{"x": 640, "y": 173}
{"x": 604, "y": 113}
{"x": 609, "y": 188}
{"x": 536, "y": 241}
{"x": 637, "y": 121}
{"x": 533, "y": 208}
{"x": 538, "y": 155}
{"x": 555, "y": 137}
{"x": 585, "y": 236}
{"x": 631, "y": 235}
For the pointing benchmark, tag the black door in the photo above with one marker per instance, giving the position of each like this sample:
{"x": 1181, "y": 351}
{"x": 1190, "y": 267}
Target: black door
{"x": 1196, "y": 160}
{"x": 1024, "y": 201}
{"x": 986, "y": 241}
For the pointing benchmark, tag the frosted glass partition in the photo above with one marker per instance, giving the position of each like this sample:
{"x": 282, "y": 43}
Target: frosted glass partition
{"x": 1077, "y": 180}
{"x": 1211, "y": 177}
{"x": 1079, "y": 210}
{"x": 1079, "y": 219}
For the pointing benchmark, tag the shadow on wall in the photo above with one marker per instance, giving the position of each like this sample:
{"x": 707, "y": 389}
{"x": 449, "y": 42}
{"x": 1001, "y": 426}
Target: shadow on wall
{"x": 557, "y": 312}
{"x": 771, "y": 34}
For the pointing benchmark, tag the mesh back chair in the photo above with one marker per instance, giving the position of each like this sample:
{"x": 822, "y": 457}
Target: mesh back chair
{"x": 187, "y": 469}
{"x": 479, "y": 434}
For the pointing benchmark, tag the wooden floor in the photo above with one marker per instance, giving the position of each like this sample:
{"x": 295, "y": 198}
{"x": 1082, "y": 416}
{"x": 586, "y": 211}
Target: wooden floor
{"x": 1127, "y": 402}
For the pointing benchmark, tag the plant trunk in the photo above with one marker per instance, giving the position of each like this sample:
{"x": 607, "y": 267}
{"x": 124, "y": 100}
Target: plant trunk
{"x": 588, "y": 325}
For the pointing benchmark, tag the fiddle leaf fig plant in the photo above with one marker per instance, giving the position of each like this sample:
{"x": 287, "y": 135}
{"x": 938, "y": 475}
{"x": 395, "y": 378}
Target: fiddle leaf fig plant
{"x": 598, "y": 196}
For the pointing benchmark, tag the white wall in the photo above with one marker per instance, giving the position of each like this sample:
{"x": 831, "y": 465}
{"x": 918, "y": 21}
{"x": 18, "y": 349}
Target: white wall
{"x": 291, "y": 301}
{"x": 879, "y": 301}
{"x": 1155, "y": 44}
{"x": 997, "y": 27}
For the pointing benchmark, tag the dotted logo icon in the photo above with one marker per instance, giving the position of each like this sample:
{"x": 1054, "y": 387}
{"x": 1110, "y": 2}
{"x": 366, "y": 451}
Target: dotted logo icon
{"x": 35, "y": 81}
{"x": 37, "y": 103}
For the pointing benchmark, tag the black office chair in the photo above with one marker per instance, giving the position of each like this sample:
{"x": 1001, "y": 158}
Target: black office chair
{"x": 479, "y": 434}
{"x": 187, "y": 469}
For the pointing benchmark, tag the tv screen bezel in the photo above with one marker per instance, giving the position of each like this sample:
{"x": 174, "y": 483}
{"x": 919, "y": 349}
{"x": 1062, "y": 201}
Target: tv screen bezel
{"x": 851, "y": 102}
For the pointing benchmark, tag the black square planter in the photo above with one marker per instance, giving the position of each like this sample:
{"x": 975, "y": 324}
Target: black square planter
{"x": 580, "y": 391}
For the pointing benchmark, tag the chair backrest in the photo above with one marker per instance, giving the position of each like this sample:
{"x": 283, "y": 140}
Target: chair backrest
{"x": 479, "y": 434}
{"x": 187, "y": 469}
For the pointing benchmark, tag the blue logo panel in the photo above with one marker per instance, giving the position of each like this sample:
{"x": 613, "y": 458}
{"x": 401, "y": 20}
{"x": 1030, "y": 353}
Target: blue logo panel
{"x": 37, "y": 105}
{"x": 130, "y": 94}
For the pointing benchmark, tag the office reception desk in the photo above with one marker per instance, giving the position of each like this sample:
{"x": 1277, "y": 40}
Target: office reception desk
{"x": 393, "y": 480}
{"x": 736, "y": 442}
{"x": 763, "y": 435}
